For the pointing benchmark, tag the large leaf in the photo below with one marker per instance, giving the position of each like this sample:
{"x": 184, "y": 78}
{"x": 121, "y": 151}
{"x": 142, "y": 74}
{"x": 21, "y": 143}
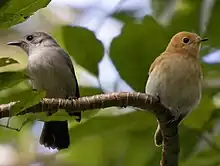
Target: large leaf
{"x": 30, "y": 98}
{"x": 3, "y": 2}
{"x": 213, "y": 26}
{"x": 189, "y": 139}
{"x": 7, "y": 61}
{"x": 201, "y": 114}
{"x": 140, "y": 142}
{"x": 104, "y": 124}
{"x": 9, "y": 79}
{"x": 13, "y": 12}
{"x": 121, "y": 138}
{"x": 22, "y": 93}
{"x": 186, "y": 17}
{"x": 85, "y": 48}
{"x": 136, "y": 48}
{"x": 9, "y": 135}
{"x": 214, "y": 119}
{"x": 159, "y": 6}
{"x": 207, "y": 157}
{"x": 89, "y": 91}
{"x": 128, "y": 147}
{"x": 124, "y": 16}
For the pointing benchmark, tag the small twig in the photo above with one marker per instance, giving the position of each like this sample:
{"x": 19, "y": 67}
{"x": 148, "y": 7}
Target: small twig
{"x": 8, "y": 121}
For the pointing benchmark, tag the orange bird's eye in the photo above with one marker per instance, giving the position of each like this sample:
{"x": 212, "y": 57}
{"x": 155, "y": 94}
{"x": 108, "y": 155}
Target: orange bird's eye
{"x": 185, "y": 40}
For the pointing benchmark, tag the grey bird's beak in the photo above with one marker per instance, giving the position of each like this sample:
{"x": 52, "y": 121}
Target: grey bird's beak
{"x": 15, "y": 43}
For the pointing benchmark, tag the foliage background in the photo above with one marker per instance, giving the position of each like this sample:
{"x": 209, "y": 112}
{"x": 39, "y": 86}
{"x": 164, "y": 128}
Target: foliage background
{"x": 111, "y": 136}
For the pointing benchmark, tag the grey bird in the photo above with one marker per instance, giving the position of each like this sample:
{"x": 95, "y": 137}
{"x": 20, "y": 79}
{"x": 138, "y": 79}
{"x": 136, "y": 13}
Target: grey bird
{"x": 50, "y": 69}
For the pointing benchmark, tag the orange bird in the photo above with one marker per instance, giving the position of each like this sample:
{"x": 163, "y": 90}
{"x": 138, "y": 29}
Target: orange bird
{"x": 176, "y": 77}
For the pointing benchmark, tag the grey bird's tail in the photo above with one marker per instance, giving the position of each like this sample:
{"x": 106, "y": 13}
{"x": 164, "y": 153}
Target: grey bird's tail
{"x": 55, "y": 134}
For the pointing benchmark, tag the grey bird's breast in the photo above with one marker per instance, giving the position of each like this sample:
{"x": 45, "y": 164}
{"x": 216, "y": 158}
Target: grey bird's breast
{"x": 178, "y": 86}
{"x": 48, "y": 70}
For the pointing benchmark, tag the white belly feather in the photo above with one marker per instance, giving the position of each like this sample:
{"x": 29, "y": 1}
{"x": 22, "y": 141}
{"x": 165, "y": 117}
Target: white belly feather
{"x": 49, "y": 71}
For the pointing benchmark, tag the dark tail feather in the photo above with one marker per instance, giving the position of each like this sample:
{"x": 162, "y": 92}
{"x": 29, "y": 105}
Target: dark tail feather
{"x": 55, "y": 135}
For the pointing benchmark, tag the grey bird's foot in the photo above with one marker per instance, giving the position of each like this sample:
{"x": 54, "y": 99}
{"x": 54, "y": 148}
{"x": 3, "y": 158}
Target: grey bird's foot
{"x": 50, "y": 112}
{"x": 158, "y": 97}
{"x": 72, "y": 98}
{"x": 34, "y": 90}
{"x": 78, "y": 115}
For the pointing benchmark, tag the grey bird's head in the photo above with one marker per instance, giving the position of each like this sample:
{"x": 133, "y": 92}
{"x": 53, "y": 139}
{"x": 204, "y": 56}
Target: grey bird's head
{"x": 33, "y": 41}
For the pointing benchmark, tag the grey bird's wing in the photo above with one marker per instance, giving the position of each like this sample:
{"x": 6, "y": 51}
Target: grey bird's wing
{"x": 70, "y": 64}
{"x": 77, "y": 93}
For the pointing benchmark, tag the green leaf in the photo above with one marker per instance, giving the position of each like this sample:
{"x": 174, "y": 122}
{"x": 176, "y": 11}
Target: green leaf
{"x": 7, "y": 61}
{"x": 124, "y": 16}
{"x": 12, "y": 94}
{"x": 201, "y": 114}
{"x": 159, "y": 6}
{"x": 135, "y": 49}
{"x": 3, "y": 2}
{"x": 214, "y": 119}
{"x": 206, "y": 157}
{"x": 186, "y": 17}
{"x": 83, "y": 46}
{"x": 138, "y": 141}
{"x": 120, "y": 139}
{"x": 89, "y": 91}
{"x": 30, "y": 98}
{"x": 26, "y": 97}
{"x": 23, "y": 93}
{"x": 213, "y": 26}
{"x": 9, "y": 79}
{"x": 8, "y": 135}
{"x": 188, "y": 141}
{"x": 13, "y": 12}
{"x": 125, "y": 147}
{"x": 100, "y": 125}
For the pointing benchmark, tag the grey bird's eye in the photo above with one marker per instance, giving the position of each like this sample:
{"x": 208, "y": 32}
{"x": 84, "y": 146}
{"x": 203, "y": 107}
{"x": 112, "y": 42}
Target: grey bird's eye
{"x": 185, "y": 40}
{"x": 29, "y": 37}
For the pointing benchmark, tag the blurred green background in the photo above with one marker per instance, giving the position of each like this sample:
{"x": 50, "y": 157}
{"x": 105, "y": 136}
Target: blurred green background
{"x": 112, "y": 136}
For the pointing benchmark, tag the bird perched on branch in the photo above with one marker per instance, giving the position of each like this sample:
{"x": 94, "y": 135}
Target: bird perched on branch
{"x": 50, "y": 69}
{"x": 175, "y": 77}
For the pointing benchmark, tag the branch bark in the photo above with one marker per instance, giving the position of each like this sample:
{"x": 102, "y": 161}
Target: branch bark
{"x": 170, "y": 146}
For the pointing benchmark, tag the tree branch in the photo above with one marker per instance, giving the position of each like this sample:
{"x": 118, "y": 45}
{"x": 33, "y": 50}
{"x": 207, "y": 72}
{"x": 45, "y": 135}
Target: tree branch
{"x": 170, "y": 147}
